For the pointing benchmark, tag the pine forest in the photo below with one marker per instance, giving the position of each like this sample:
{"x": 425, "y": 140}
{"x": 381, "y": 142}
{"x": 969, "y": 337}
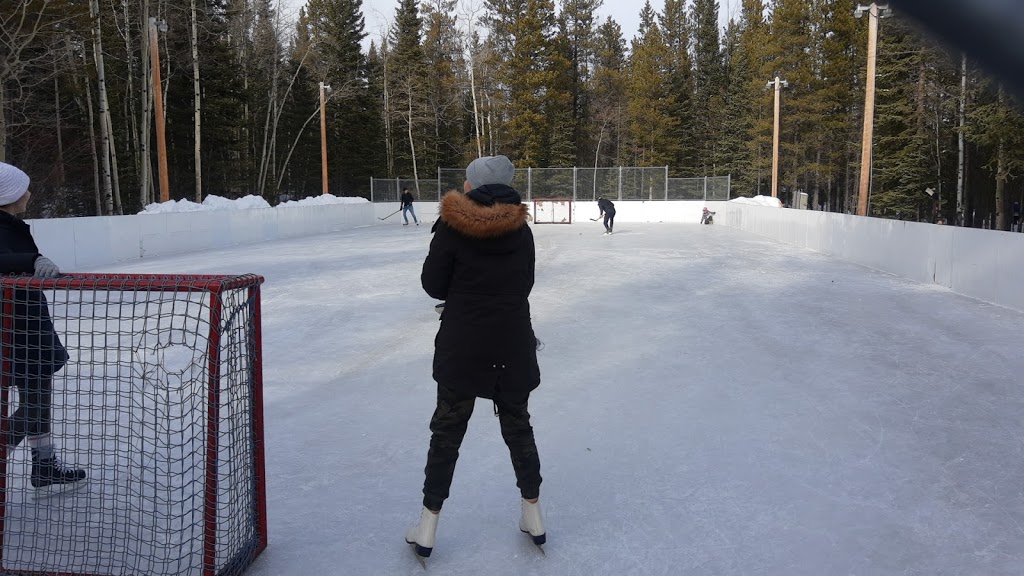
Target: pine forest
{"x": 548, "y": 83}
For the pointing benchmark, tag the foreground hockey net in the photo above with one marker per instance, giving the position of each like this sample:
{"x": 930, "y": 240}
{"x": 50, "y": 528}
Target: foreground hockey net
{"x": 552, "y": 211}
{"x": 161, "y": 404}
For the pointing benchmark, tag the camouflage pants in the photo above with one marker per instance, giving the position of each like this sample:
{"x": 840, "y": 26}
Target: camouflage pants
{"x": 448, "y": 427}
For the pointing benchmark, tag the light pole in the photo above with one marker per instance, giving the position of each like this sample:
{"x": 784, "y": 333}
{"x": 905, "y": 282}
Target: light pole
{"x": 161, "y": 141}
{"x": 874, "y": 12}
{"x": 778, "y": 85}
{"x": 323, "y": 135}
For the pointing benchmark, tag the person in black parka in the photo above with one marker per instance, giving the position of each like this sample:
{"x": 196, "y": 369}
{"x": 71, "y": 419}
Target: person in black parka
{"x": 37, "y": 351}
{"x": 481, "y": 263}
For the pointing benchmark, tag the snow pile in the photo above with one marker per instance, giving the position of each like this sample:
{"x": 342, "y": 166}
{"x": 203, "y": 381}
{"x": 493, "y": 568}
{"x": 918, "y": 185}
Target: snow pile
{"x": 210, "y": 203}
{"x": 759, "y": 201}
{"x": 324, "y": 200}
{"x": 247, "y": 203}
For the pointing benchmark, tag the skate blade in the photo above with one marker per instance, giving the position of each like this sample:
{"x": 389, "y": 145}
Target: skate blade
{"x": 422, "y": 559}
{"x": 538, "y": 541}
{"x": 55, "y": 490}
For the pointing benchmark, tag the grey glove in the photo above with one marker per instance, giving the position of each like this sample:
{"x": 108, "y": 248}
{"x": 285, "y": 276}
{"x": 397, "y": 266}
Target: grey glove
{"x": 45, "y": 268}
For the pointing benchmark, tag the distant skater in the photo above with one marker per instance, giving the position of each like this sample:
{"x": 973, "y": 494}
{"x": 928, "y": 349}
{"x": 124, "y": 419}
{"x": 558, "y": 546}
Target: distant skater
{"x": 407, "y": 207}
{"x": 608, "y": 211}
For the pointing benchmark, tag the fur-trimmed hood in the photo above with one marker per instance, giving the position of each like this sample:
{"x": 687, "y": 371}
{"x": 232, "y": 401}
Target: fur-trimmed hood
{"x": 468, "y": 217}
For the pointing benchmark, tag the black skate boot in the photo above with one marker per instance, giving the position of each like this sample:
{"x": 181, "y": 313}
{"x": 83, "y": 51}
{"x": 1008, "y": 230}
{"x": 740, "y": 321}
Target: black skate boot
{"x": 50, "y": 472}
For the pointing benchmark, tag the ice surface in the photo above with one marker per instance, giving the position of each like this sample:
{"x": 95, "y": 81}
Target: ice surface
{"x": 712, "y": 403}
{"x": 759, "y": 201}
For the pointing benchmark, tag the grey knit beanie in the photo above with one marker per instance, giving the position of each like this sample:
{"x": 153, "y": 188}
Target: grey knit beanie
{"x": 13, "y": 184}
{"x": 490, "y": 170}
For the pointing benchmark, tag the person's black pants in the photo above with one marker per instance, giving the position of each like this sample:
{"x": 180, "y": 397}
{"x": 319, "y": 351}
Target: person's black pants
{"x": 609, "y": 220}
{"x": 32, "y": 418}
{"x": 448, "y": 427}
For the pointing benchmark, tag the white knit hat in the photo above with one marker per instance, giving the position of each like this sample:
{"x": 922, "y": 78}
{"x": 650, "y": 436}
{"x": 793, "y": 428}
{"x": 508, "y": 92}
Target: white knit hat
{"x": 13, "y": 184}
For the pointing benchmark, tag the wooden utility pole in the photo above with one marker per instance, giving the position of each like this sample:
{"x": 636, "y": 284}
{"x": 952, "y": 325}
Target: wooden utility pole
{"x": 777, "y": 84}
{"x": 323, "y": 136}
{"x": 161, "y": 142}
{"x": 873, "y": 12}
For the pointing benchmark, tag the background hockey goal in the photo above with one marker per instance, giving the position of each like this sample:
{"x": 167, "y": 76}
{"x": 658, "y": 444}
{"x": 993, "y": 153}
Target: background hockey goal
{"x": 161, "y": 404}
{"x": 552, "y": 210}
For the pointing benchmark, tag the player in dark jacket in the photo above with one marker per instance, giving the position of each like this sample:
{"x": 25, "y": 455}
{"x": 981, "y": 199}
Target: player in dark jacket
{"x": 608, "y": 211}
{"x": 407, "y": 207}
{"x": 37, "y": 351}
{"x": 481, "y": 262}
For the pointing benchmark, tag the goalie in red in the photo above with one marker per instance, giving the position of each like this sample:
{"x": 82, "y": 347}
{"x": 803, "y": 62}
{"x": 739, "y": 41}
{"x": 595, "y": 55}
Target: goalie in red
{"x": 37, "y": 349}
{"x": 481, "y": 262}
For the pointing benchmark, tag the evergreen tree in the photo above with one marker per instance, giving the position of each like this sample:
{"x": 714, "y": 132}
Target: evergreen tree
{"x": 708, "y": 83}
{"x": 676, "y": 32}
{"x": 355, "y": 146}
{"x": 609, "y": 94}
{"x": 578, "y": 18}
{"x": 750, "y": 67}
{"x": 733, "y": 155}
{"x": 910, "y": 122}
{"x": 531, "y": 73}
{"x": 445, "y": 80}
{"x": 792, "y": 58}
{"x": 997, "y": 127}
{"x": 407, "y": 78}
{"x": 651, "y": 125}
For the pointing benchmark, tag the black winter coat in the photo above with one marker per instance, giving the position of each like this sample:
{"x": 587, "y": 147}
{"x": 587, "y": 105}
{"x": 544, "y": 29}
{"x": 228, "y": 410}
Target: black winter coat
{"x": 38, "y": 351}
{"x": 481, "y": 263}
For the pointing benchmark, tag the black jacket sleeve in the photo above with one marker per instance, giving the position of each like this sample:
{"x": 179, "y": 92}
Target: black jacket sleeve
{"x": 17, "y": 263}
{"x": 440, "y": 262}
{"x": 532, "y": 254}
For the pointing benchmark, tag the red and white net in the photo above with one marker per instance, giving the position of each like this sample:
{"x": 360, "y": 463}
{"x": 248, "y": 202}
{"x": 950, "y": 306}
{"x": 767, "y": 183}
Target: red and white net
{"x": 160, "y": 402}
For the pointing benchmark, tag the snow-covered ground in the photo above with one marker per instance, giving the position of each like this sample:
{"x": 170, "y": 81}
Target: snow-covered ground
{"x": 712, "y": 403}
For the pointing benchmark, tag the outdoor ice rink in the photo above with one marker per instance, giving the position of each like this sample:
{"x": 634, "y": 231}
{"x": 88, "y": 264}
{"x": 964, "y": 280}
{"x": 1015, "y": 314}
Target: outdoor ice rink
{"x": 712, "y": 403}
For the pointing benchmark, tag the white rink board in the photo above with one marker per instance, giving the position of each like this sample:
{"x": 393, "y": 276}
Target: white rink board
{"x": 983, "y": 264}
{"x": 80, "y": 244}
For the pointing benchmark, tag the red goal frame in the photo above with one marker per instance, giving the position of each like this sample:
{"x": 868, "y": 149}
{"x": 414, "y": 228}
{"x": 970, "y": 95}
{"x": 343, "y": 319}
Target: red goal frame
{"x": 214, "y": 287}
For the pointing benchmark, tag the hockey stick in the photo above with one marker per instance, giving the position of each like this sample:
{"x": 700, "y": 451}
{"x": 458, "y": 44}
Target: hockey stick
{"x": 594, "y": 219}
{"x": 390, "y": 215}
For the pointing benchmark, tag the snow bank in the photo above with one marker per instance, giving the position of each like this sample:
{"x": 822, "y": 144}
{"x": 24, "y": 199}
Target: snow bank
{"x": 759, "y": 201}
{"x": 325, "y": 200}
{"x": 210, "y": 203}
{"x": 247, "y": 203}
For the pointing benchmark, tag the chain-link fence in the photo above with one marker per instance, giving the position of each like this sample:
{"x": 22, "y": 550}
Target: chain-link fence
{"x": 618, "y": 183}
{"x": 707, "y": 188}
{"x": 389, "y": 190}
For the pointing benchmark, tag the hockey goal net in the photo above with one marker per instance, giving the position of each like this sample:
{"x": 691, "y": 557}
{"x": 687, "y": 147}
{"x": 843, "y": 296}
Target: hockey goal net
{"x": 552, "y": 210}
{"x": 159, "y": 402}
